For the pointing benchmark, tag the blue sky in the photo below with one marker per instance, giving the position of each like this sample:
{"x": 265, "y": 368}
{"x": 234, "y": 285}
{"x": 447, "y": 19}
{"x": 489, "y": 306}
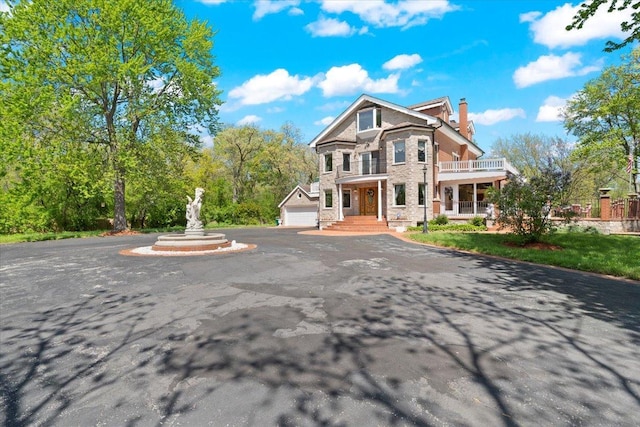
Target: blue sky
{"x": 306, "y": 61}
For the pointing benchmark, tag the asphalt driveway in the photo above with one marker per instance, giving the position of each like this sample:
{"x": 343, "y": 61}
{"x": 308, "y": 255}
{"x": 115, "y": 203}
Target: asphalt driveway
{"x": 310, "y": 330}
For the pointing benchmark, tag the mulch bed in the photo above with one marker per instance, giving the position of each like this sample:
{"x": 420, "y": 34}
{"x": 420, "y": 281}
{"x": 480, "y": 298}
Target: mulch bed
{"x": 120, "y": 233}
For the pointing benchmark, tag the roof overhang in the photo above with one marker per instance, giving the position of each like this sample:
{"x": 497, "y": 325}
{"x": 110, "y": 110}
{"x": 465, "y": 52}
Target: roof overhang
{"x": 300, "y": 188}
{"x": 469, "y": 177}
{"x": 361, "y": 179}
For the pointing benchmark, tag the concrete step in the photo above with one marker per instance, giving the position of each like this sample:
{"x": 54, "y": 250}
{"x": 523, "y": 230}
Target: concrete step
{"x": 359, "y": 224}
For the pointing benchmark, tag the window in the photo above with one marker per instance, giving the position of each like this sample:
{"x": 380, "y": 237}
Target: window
{"x": 398, "y": 195}
{"x": 456, "y": 157}
{"x": 328, "y": 162}
{"x": 346, "y": 162}
{"x": 436, "y": 153}
{"x": 398, "y": 152}
{"x": 346, "y": 199}
{"x": 369, "y": 119}
{"x": 420, "y": 194}
{"x": 328, "y": 198}
{"x": 422, "y": 146}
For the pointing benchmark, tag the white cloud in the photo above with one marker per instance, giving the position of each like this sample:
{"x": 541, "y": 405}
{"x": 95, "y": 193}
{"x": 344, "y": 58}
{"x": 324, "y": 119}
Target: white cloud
{"x": 4, "y": 7}
{"x": 549, "y": 29}
{"x": 401, "y": 62}
{"x": 262, "y": 88}
{"x": 275, "y": 110}
{"x": 248, "y": 120}
{"x": 529, "y": 16}
{"x": 551, "y": 110}
{"x": 296, "y": 11}
{"x": 324, "y": 122}
{"x": 329, "y": 27}
{"x": 404, "y": 13}
{"x": 206, "y": 140}
{"x": 351, "y": 79}
{"x": 491, "y": 117}
{"x": 552, "y": 67}
{"x": 265, "y": 7}
{"x": 333, "y": 106}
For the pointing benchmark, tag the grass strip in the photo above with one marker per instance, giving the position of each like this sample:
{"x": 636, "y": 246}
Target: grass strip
{"x": 615, "y": 255}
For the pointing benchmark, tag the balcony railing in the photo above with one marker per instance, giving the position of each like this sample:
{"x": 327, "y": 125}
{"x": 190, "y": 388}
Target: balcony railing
{"x": 482, "y": 165}
{"x": 362, "y": 167}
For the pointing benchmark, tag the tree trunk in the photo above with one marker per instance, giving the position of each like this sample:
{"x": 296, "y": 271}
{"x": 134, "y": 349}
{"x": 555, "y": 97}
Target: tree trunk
{"x": 119, "y": 218}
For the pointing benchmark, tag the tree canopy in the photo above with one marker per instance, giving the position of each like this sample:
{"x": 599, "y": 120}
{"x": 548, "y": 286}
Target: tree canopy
{"x": 589, "y": 8}
{"x": 120, "y": 83}
{"x": 605, "y": 116}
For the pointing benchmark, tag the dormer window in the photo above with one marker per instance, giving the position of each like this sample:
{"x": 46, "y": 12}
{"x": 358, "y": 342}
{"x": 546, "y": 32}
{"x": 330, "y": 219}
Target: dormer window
{"x": 370, "y": 118}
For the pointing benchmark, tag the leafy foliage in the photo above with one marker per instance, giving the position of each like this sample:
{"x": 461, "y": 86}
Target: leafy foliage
{"x": 441, "y": 219}
{"x": 524, "y": 205}
{"x": 605, "y": 116}
{"x": 105, "y": 77}
{"x": 588, "y": 9}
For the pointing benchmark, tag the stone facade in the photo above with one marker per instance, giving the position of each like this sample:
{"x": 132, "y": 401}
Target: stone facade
{"x": 361, "y": 189}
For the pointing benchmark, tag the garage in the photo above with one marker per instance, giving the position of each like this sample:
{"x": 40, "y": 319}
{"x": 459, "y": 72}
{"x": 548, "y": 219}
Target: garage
{"x": 304, "y": 216}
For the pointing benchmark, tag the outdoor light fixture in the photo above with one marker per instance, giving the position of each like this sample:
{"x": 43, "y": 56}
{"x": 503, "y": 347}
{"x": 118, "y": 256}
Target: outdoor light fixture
{"x": 424, "y": 202}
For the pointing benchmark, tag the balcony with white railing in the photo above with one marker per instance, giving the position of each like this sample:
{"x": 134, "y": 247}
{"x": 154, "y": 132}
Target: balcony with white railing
{"x": 481, "y": 165}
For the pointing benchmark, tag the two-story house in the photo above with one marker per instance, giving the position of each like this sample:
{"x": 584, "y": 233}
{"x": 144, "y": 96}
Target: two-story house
{"x": 384, "y": 161}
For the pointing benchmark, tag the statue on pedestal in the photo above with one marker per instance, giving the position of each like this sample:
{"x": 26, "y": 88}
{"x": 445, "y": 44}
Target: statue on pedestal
{"x": 193, "y": 211}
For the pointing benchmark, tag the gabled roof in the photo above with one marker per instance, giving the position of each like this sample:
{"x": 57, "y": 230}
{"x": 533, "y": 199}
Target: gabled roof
{"x": 306, "y": 189}
{"x": 365, "y": 100}
{"x": 444, "y": 100}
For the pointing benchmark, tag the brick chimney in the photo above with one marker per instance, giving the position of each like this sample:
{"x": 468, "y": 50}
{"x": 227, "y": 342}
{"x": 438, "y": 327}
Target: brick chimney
{"x": 463, "y": 119}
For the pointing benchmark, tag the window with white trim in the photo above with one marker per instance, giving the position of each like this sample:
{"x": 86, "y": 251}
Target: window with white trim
{"x": 399, "y": 155}
{"x": 328, "y": 198}
{"x": 328, "y": 162}
{"x": 369, "y": 119}
{"x": 399, "y": 194}
{"x": 420, "y": 194}
{"x": 346, "y": 162}
{"x": 422, "y": 151}
{"x": 346, "y": 198}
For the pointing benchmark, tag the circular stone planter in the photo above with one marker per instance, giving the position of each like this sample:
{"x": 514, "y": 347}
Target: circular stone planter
{"x": 191, "y": 242}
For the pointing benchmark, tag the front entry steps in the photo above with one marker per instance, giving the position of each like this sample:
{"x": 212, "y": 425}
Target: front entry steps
{"x": 360, "y": 223}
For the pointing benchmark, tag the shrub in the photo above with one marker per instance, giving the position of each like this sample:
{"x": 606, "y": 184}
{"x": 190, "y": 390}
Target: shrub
{"x": 477, "y": 221}
{"x": 441, "y": 220}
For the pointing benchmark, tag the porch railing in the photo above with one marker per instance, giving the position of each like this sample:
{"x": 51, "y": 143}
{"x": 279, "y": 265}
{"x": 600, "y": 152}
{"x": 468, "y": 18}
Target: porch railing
{"x": 481, "y": 165}
{"x": 362, "y": 167}
{"x": 625, "y": 209}
{"x": 463, "y": 207}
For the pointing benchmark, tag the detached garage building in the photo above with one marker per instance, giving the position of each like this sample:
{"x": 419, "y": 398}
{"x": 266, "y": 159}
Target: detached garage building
{"x": 300, "y": 207}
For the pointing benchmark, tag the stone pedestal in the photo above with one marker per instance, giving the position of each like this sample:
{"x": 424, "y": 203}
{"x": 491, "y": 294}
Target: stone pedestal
{"x": 191, "y": 242}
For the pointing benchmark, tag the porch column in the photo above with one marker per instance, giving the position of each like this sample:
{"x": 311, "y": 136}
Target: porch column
{"x": 340, "y": 214}
{"x": 475, "y": 199}
{"x": 379, "y": 200}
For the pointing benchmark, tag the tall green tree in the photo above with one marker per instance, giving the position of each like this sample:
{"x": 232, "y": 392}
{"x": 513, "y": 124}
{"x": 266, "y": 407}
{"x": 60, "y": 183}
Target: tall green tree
{"x": 605, "y": 116}
{"x": 120, "y": 72}
{"x": 589, "y": 8}
{"x": 533, "y": 155}
{"x": 285, "y": 161}
{"x": 238, "y": 148}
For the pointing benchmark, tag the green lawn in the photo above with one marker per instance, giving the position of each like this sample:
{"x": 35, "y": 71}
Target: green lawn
{"x": 615, "y": 255}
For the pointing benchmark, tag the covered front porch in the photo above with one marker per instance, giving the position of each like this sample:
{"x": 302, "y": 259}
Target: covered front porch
{"x": 464, "y": 185}
{"x": 362, "y": 196}
{"x": 464, "y": 200}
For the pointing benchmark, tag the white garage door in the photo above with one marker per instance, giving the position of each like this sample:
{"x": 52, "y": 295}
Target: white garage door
{"x": 301, "y": 216}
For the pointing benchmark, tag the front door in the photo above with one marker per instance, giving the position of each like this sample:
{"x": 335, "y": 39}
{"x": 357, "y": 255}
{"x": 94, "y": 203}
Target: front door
{"x": 368, "y": 201}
